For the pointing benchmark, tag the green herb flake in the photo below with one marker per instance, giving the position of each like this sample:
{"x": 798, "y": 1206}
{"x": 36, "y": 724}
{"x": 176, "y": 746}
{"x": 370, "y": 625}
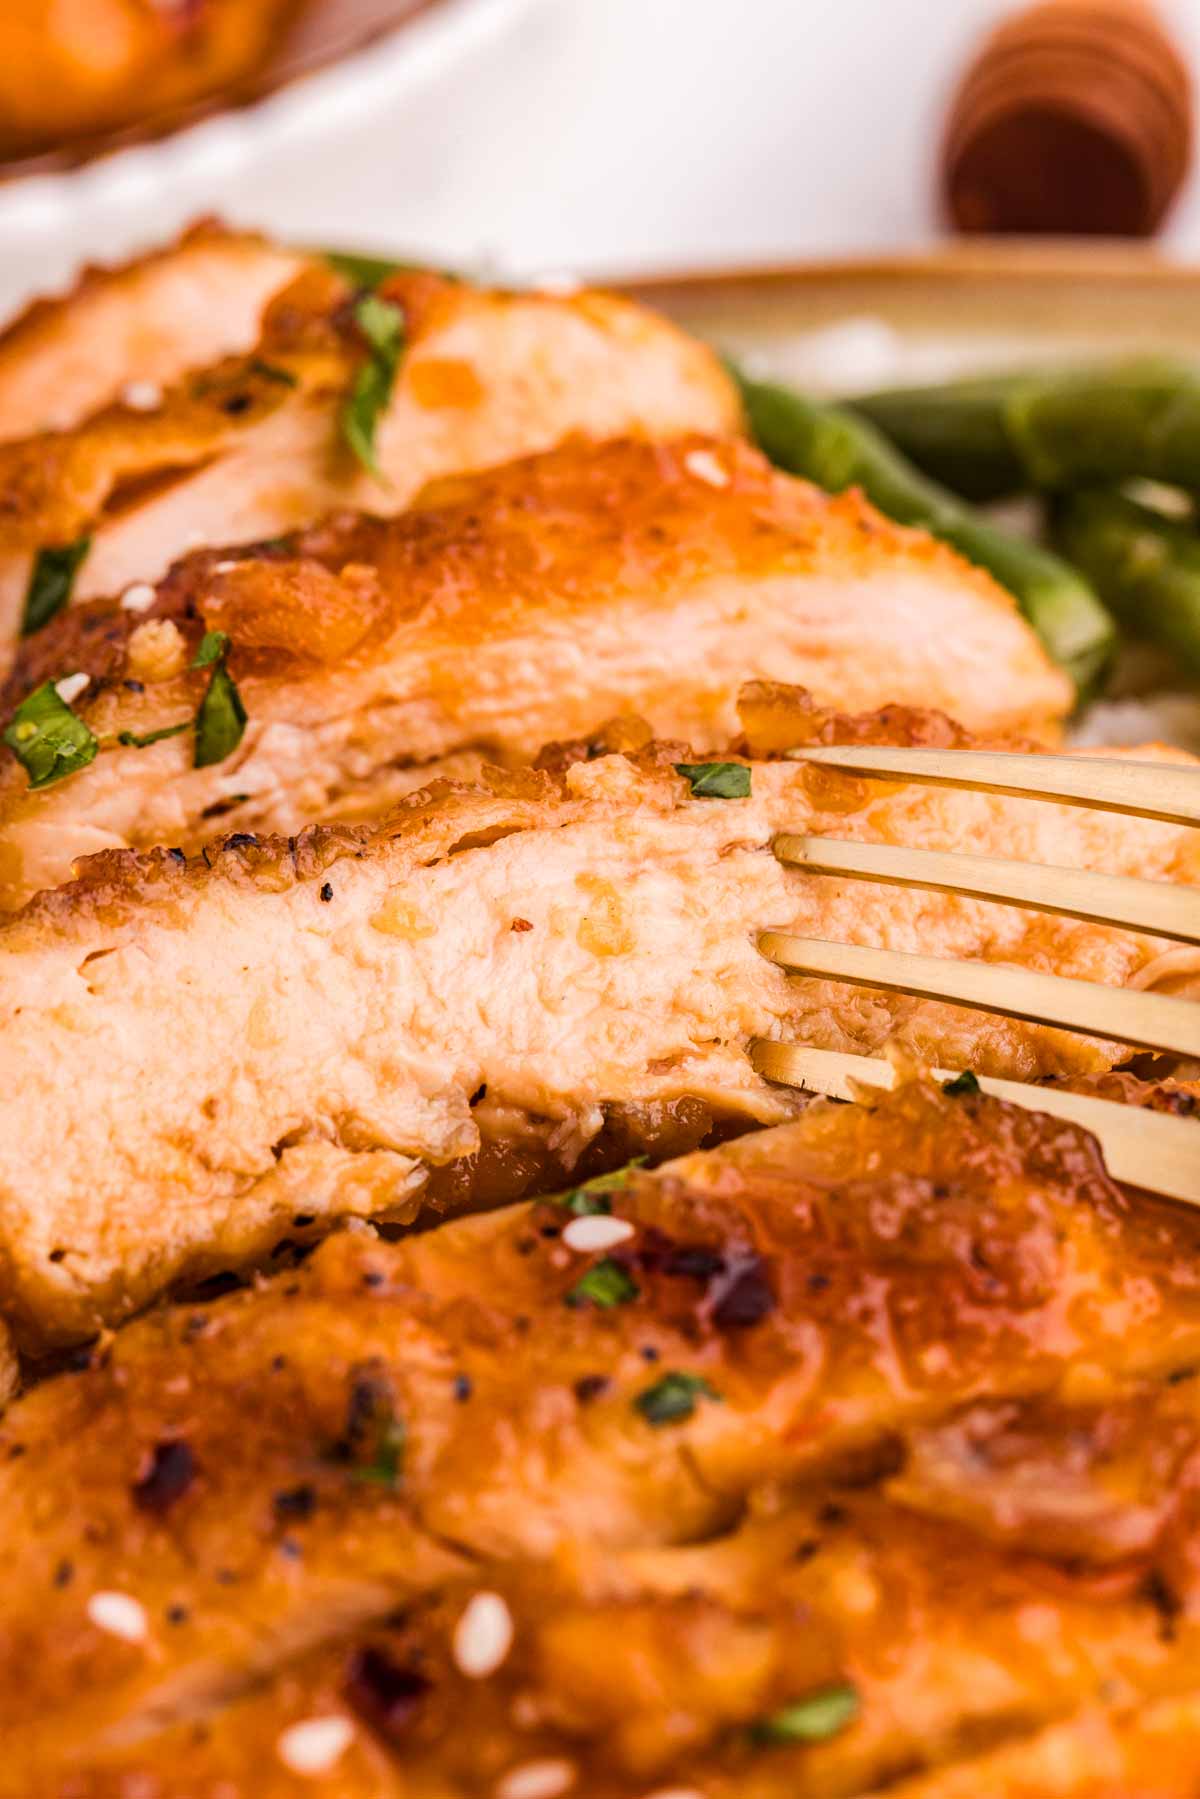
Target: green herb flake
{"x": 673, "y": 1398}
{"x": 135, "y": 741}
{"x": 214, "y": 647}
{"x": 220, "y": 720}
{"x": 813, "y": 1720}
{"x": 590, "y": 1198}
{"x": 716, "y": 780}
{"x": 48, "y": 739}
{"x": 362, "y": 270}
{"x": 50, "y": 582}
{"x": 387, "y": 1468}
{"x": 271, "y": 371}
{"x": 962, "y": 1083}
{"x": 381, "y": 323}
{"x": 605, "y": 1285}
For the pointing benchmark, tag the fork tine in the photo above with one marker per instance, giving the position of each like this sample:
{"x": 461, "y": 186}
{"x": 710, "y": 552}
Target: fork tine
{"x": 1147, "y": 1149}
{"x": 1147, "y": 789}
{"x": 1156, "y": 907}
{"x": 1148, "y": 1020}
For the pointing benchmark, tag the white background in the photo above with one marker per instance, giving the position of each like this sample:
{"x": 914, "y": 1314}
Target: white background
{"x": 617, "y": 133}
{"x": 592, "y": 136}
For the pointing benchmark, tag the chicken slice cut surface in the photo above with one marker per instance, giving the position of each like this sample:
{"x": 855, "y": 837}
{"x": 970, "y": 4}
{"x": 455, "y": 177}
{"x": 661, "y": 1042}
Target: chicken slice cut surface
{"x": 453, "y": 1005}
{"x": 255, "y": 445}
{"x": 888, "y": 1400}
{"x": 144, "y": 323}
{"x": 508, "y": 608}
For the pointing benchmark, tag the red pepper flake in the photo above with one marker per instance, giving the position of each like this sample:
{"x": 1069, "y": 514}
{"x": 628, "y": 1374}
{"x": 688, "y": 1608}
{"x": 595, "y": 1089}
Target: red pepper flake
{"x": 520, "y": 924}
{"x": 168, "y": 1474}
{"x": 384, "y": 1692}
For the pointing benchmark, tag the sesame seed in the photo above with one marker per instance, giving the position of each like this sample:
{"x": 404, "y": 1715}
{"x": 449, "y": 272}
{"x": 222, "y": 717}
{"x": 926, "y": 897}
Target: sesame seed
{"x": 314, "y": 1746}
{"x": 70, "y": 687}
{"x": 705, "y": 466}
{"x": 120, "y": 1615}
{"x": 676, "y": 1793}
{"x": 142, "y": 396}
{"x": 537, "y": 1780}
{"x": 223, "y": 568}
{"x": 483, "y": 1635}
{"x": 597, "y": 1231}
{"x": 138, "y": 598}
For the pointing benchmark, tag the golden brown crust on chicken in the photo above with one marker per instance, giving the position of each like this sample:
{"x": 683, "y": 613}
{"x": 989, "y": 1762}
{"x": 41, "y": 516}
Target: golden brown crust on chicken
{"x": 251, "y": 447}
{"x": 497, "y": 965}
{"x": 525, "y": 603}
{"x": 940, "y": 1451}
{"x": 144, "y": 323}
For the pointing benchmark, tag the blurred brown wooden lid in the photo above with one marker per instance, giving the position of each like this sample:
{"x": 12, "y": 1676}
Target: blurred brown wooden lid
{"x": 1076, "y": 117}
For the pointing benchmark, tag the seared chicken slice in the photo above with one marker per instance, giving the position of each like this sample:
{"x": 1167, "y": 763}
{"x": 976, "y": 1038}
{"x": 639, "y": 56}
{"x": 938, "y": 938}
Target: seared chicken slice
{"x": 817, "y": 1303}
{"x": 138, "y": 327}
{"x": 904, "y": 1641}
{"x": 255, "y": 446}
{"x": 525, "y": 603}
{"x": 1148, "y": 1751}
{"x": 281, "y": 1465}
{"x": 194, "y": 1052}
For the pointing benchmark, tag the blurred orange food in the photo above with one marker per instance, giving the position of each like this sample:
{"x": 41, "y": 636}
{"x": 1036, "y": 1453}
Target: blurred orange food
{"x": 73, "y": 68}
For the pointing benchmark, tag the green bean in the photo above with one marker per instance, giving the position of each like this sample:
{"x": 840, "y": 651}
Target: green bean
{"x": 836, "y": 449}
{"x": 990, "y": 438}
{"x": 1080, "y": 430}
{"x": 1146, "y": 566}
{"x": 956, "y": 433}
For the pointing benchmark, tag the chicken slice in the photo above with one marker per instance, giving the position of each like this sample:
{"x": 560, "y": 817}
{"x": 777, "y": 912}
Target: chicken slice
{"x": 814, "y": 1304}
{"x": 144, "y": 323}
{"x": 918, "y": 1639}
{"x": 457, "y": 1003}
{"x": 514, "y": 606}
{"x": 1145, "y": 1752}
{"x": 253, "y": 446}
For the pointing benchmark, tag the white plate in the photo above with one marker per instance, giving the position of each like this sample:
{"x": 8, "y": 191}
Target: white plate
{"x": 314, "y": 161}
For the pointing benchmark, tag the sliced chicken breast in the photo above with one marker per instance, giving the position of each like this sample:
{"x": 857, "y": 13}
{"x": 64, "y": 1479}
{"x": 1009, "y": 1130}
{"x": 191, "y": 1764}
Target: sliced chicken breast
{"x": 197, "y": 1051}
{"x": 804, "y": 1421}
{"x": 257, "y": 445}
{"x": 514, "y": 606}
{"x": 845, "y": 1610}
{"x": 138, "y": 327}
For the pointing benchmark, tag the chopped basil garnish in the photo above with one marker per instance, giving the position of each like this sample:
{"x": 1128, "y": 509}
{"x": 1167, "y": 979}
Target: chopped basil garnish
{"x": 372, "y": 271}
{"x": 812, "y": 1720}
{"x": 965, "y": 1082}
{"x": 47, "y": 738}
{"x": 388, "y": 1465}
{"x": 364, "y": 271}
{"x": 716, "y": 780}
{"x": 674, "y": 1397}
{"x": 50, "y": 583}
{"x": 382, "y": 325}
{"x": 221, "y": 717}
{"x": 589, "y": 1199}
{"x": 220, "y": 720}
{"x": 605, "y": 1285}
{"x": 270, "y": 371}
{"x": 133, "y": 741}
{"x": 214, "y": 646}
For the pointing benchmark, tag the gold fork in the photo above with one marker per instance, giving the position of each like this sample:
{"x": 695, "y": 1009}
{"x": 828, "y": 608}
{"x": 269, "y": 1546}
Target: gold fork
{"x": 1150, "y": 1149}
